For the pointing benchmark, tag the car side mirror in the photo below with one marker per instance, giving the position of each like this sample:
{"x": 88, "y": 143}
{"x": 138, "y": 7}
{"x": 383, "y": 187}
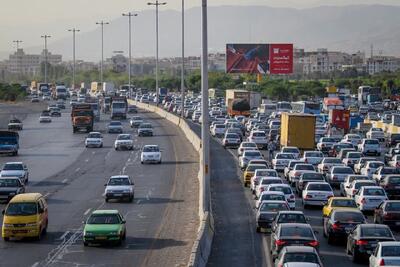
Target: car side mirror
{"x": 3, "y": 212}
{"x": 83, "y": 222}
{"x": 123, "y": 222}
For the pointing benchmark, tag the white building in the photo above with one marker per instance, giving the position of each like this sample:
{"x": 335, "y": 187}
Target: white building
{"x": 379, "y": 64}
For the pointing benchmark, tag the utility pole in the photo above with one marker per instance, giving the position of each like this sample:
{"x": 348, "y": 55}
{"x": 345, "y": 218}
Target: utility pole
{"x": 183, "y": 61}
{"x": 205, "y": 138}
{"x": 19, "y": 60}
{"x": 102, "y": 23}
{"x": 17, "y": 42}
{"x": 45, "y": 56}
{"x": 73, "y": 52}
{"x": 130, "y": 15}
{"x": 156, "y": 4}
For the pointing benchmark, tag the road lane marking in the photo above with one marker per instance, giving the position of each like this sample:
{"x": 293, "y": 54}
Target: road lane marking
{"x": 47, "y": 195}
{"x": 87, "y": 211}
{"x": 94, "y": 152}
{"x": 77, "y": 169}
{"x": 87, "y": 160}
{"x": 35, "y": 264}
{"x": 64, "y": 181}
{"x": 123, "y": 169}
{"x": 64, "y": 235}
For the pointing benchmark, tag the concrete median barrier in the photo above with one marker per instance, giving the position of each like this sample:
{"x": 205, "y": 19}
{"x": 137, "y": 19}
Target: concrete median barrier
{"x": 202, "y": 245}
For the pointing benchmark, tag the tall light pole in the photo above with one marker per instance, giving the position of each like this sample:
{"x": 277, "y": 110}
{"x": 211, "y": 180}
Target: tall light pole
{"x": 73, "y": 52}
{"x": 205, "y": 138}
{"x": 45, "y": 56}
{"x": 156, "y": 3}
{"x": 130, "y": 15}
{"x": 19, "y": 60}
{"x": 183, "y": 61}
{"x": 17, "y": 42}
{"x": 102, "y": 23}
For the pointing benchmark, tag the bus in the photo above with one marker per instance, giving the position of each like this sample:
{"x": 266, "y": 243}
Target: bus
{"x": 283, "y": 106}
{"x": 306, "y": 107}
{"x": 365, "y": 91}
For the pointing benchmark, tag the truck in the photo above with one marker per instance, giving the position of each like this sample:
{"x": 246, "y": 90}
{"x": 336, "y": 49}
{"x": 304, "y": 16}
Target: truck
{"x": 82, "y": 117}
{"x": 298, "y": 130}
{"x": 61, "y": 92}
{"x": 96, "y": 88}
{"x": 237, "y": 102}
{"x": 109, "y": 89}
{"x": 94, "y": 103}
{"x": 9, "y": 142}
{"x": 43, "y": 89}
{"x": 33, "y": 88}
{"x": 255, "y": 100}
{"x": 119, "y": 107}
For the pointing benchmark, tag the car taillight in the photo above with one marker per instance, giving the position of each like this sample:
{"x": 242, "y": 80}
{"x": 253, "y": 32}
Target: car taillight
{"x": 296, "y": 173}
{"x": 280, "y": 242}
{"x": 361, "y": 242}
{"x": 387, "y": 216}
{"x": 363, "y": 201}
{"x": 262, "y": 189}
{"x": 334, "y": 177}
{"x": 336, "y": 226}
{"x": 308, "y": 196}
{"x": 306, "y": 161}
{"x": 314, "y": 243}
{"x": 322, "y": 145}
{"x": 291, "y": 196}
{"x": 354, "y": 191}
{"x": 382, "y": 262}
{"x": 398, "y": 164}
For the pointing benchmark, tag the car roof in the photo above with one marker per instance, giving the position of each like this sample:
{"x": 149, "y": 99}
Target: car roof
{"x": 300, "y": 264}
{"x": 272, "y": 193}
{"x": 390, "y": 243}
{"x": 299, "y": 248}
{"x": 119, "y": 176}
{"x": 373, "y": 225}
{"x": 291, "y": 212}
{"x": 341, "y": 198}
{"x": 94, "y": 133}
{"x": 295, "y": 225}
{"x": 150, "y": 146}
{"x": 373, "y": 187}
{"x": 26, "y": 197}
{"x": 105, "y": 212}
{"x": 273, "y": 201}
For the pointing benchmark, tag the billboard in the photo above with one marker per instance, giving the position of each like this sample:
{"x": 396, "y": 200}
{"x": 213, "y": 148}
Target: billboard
{"x": 259, "y": 58}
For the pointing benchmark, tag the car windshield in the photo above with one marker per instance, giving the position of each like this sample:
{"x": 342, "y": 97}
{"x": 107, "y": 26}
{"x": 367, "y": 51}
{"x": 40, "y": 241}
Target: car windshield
{"x": 283, "y": 189}
{"x": 119, "y": 105}
{"x": 327, "y": 140}
{"x": 389, "y": 171}
{"x": 146, "y": 126}
{"x": 313, "y": 155}
{"x": 319, "y": 187}
{"x": 346, "y": 216}
{"x": 253, "y": 168}
{"x": 374, "y": 192}
{"x": 390, "y": 251}
{"x": 119, "y": 181}
{"x": 343, "y": 170}
{"x": 115, "y": 123}
{"x": 290, "y": 150}
{"x": 21, "y": 209}
{"x": 375, "y": 165}
{"x": 361, "y": 184}
{"x": 231, "y": 136}
{"x": 151, "y": 149}
{"x": 354, "y": 155}
{"x": 94, "y": 135}
{"x": 271, "y": 181}
{"x": 136, "y": 118}
{"x": 259, "y": 134}
{"x": 375, "y": 232}
{"x": 249, "y": 145}
{"x": 13, "y": 167}
{"x": 103, "y": 219}
{"x": 253, "y": 154}
{"x": 371, "y": 142}
{"x": 313, "y": 176}
{"x": 284, "y": 156}
{"x": 296, "y": 231}
{"x": 394, "y": 180}
{"x": 125, "y": 137}
{"x": 267, "y": 173}
{"x": 300, "y": 257}
{"x": 332, "y": 160}
{"x": 304, "y": 167}
{"x": 9, "y": 183}
{"x": 393, "y": 206}
{"x": 349, "y": 203}
{"x": 273, "y": 206}
{"x": 292, "y": 218}
{"x": 273, "y": 197}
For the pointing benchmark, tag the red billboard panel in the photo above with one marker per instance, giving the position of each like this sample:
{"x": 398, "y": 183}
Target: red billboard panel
{"x": 281, "y": 58}
{"x": 247, "y": 58}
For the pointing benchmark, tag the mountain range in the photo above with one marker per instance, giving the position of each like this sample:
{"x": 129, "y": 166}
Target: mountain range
{"x": 339, "y": 28}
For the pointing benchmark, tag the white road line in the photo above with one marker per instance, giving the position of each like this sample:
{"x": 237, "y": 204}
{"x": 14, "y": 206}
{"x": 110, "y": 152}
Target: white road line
{"x": 47, "y": 195}
{"x": 87, "y": 211}
{"x": 64, "y": 181}
{"x": 93, "y": 152}
{"x": 64, "y": 235}
{"x": 87, "y": 160}
{"x": 35, "y": 264}
{"x": 123, "y": 169}
{"x": 129, "y": 159}
{"x": 77, "y": 169}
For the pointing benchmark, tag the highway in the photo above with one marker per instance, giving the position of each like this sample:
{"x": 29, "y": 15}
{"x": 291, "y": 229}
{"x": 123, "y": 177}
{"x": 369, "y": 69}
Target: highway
{"x": 162, "y": 221}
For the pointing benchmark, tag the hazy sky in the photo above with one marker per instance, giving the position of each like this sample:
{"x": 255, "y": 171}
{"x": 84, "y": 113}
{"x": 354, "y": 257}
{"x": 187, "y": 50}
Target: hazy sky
{"x": 27, "y": 19}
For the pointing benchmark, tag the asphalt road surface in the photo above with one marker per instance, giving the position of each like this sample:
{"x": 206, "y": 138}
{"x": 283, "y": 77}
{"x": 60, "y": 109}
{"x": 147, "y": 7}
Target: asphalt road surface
{"x": 162, "y": 222}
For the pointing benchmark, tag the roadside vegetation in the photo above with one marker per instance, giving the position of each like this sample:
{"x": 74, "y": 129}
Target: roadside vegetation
{"x": 11, "y": 92}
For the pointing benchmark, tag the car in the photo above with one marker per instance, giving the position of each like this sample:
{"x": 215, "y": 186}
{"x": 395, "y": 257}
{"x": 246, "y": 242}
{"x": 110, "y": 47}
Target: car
{"x": 150, "y": 154}
{"x": 10, "y": 187}
{"x": 15, "y": 125}
{"x": 312, "y": 157}
{"x": 290, "y": 167}
{"x": 35, "y": 99}
{"x": 94, "y": 139}
{"x": 246, "y": 145}
{"x": 370, "y": 197}
{"x": 55, "y": 112}
{"x": 267, "y": 211}
{"x": 135, "y": 121}
{"x": 132, "y": 109}
{"x": 370, "y": 167}
{"x": 336, "y": 148}
{"x": 104, "y": 226}
{"x": 327, "y": 163}
{"x": 338, "y": 203}
{"x": 264, "y": 183}
{"x": 15, "y": 169}
{"x": 258, "y": 174}
{"x": 338, "y": 174}
{"x": 119, "y": 187}
{"x": 292, "y": 234}
{"x": 124, "y": 141}
{"x": 288, "y": 216}
{"x": 340, "y": 222}
{"x": 281, "y": 160}
{"x": 269, "y": 195}
{"x": 353, "y": 188}
{"x": 370, "y": 146}
{"x": 304, "y": 255}
{"x": 287, "y": 190}
{"x": 231, "y": 140}
{"x": 361, "y": 164}
{"x": 389, "y": 155}
{"x": 46, "y": 97}
{"x": 298, "y": 170}
{"x": 395, "y": 162}
{"x": 393, "y": 139}
{"x": 379, "y": 135}
{"x": 354, "y": 139}
{"x": 145, "y": 129}
{"x": 115, "y": 127}
{"x": 247, "y": 156}
{"x": 351, "y": 159}
{"x": 344, "y": 151}
{"x": 386, "y": 254}
{"x": 60, "y": 104}
{"x": 25, "y": 216}
{"x": 382, "y": 172}
{"x": 391, "y": 184}
{"x": 325, "y": 144}
{"x": 363, "y": 239}
{"x": 218, "y": 130}
{"x": 316, "y": 194}
{"x": 258, "y": 137}
{"x": 307, "y": 177}
{"x": 388, "y": 213}
{"x": 349, "y": 179}
{"x": 45, "y": 117}
{"x": 291, "y": 149}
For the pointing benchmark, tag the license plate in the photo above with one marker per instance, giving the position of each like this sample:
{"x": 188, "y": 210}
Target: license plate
{"x": 101, "y": 237}
{"x": 118, "y": 195}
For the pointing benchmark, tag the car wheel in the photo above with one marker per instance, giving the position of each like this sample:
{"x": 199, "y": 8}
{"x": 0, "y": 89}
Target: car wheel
{"x": 85, "y": 243}
{"x": 141, "y": 162}
{"x": 106, "y": 199}
{"x": 356, "y": 256}
{"x": 124, "y": 236}
{"x": 101, "y": 145}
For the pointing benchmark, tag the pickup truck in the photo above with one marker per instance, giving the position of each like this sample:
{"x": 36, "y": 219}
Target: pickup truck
{"x": 9, "y": 142}
{"x": 15, "y": 124}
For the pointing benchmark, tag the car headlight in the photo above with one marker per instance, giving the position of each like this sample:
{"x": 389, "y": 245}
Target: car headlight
{"x": 12, "y": 193}
{"x": 6, "y": 225}
{"x": 127, "y": 190}
{"x": 88, "y": 233}
{"x": 113, "y": 233}
{"x": 31, "y": 224}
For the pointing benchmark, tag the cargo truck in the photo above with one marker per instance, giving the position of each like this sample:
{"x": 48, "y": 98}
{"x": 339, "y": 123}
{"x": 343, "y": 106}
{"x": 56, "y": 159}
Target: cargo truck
{"x": 96, "y": 88}
{"x": 298, "y": 130}
{"x": 119, "y": 107}
{"x": 61, "y": 92}
{"x": 82, "y": 117}
{"x": 9, "y": 142}
{"x": 109, "y": 89}
{"x": 94, "y": 103}
{"x": 237, "y": 102}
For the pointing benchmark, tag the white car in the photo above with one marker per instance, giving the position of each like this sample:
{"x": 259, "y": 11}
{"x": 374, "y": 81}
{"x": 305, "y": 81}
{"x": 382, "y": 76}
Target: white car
{"x": 119, "y": 187}
{"x": 316, "y": 194}
{"x": 370, "y": 146}
{"x": 291, "y": 149}
{"x": 258, "y": 174}
{"x": 313, "y": 157}
{"x": 218, "y": 130}
{"x": 15, "y": 169}
{"x": 246, "y": 145}
{"x": 135, "y": 121}
{"x": 247, "y": 156}
{"x": 370, "y": 197}
{"x": 94, "y": 139}
{"x": 325, "y": 144}
{"x": 382, "y": 172}
{"x": 370, "y": 168}
{"x": 264, "y": 182}
{"x": 355, "y": 139}
{"x": 150, "y": 154}
{"x": 258, "y": 137}
{"x": 45, "y": 117}
{"x": 281, "y": 160}
{"x": 270, "y": 195}
{"x": 395, "y": 162}
{"x": 298, "y": 170}
{"x": 124, "y": 141}
{"x": 327, "y": 163}
{"x": 348, "y": 180}
{"x": 290, "y": 167}
{"x": 115, "y": 127}
{"x": 145, "y": 129}
{"x": 287, "y": 190}
{"x": 386, "y": 254}
{"x": 338, "y": 174}
{"x": 376, "y": 135}
{"x": 351, "y": 158}
{"x": 361, "y": 163}
{"x": 352, "y": 189}
{"x": 231, "y": 140}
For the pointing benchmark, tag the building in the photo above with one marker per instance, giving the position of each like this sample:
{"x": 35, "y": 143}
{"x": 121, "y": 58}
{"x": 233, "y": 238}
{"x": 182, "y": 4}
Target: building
{"x": 377, "y": 64}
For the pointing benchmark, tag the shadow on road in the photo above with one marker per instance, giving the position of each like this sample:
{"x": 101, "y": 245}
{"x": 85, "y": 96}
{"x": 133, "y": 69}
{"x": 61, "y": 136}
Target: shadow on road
{"x": 157, "y": 200}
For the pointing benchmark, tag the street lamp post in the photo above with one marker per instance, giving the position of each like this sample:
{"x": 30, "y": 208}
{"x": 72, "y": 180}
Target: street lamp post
{"x": 45, "y": 56}
{"x": 19, "y": 59}
{"x": 130, "y": 15}
{"x": 183, "y": 60}
{"x": 156, "y": 3}
{"x": 73, "y": 52}
{"x": 102, "y": 23}
{"x": 17, "y": 42}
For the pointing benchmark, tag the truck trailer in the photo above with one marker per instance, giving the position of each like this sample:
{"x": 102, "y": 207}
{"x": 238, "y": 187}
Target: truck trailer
{"x": 238, "y": 102}
{"x": 298, "y": 130}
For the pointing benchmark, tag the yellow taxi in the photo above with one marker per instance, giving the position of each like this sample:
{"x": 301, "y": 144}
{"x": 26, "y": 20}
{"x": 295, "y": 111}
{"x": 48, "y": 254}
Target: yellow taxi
{"x": 338, "y": 202}
{"x": 249, "y": 172}
{"x": 26, "y": 215}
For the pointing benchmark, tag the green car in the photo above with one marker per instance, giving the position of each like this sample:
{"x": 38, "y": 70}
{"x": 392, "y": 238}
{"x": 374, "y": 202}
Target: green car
{"x": 104, "y": 226}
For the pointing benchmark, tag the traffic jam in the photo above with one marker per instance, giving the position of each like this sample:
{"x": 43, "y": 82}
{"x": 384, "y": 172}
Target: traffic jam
{"x": 324, "y": 178}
